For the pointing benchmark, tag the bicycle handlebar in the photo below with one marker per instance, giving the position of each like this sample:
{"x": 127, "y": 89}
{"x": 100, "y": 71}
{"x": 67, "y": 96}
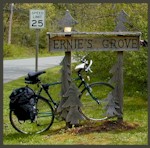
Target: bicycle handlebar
{"x": 87, "y": 68}
{"x": 83, "y": 60}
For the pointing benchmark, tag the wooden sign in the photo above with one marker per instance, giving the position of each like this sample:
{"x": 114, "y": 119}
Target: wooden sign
{"x": 125, "y": 42}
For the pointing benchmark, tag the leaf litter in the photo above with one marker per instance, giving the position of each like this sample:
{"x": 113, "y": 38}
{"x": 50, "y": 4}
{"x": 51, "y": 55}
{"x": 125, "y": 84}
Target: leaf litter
{"x": 105, "y": 126}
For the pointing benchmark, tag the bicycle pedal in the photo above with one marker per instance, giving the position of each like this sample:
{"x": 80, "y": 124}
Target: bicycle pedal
{"x": 88, "y": 78}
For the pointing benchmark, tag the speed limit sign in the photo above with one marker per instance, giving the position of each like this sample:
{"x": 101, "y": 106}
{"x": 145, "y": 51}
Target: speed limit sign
{"x": 37, "y": 19}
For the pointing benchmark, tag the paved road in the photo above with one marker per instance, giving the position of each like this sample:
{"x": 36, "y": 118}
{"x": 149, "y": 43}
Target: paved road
{"x": 13, "y": 69}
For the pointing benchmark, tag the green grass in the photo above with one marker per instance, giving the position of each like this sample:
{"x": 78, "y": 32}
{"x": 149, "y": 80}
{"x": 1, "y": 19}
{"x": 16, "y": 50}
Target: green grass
{"x": 135, "y": 113}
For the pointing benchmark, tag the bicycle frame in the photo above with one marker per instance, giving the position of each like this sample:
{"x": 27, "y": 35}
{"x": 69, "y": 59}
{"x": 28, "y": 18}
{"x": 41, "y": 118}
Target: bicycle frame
{"x": 86, "y": 86}
{"x": 83, "y": 82}
{"x": 44, "y": 111}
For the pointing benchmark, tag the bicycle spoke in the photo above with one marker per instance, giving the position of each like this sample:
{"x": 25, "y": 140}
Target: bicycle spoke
{"x": 42, "y": 122}
{"x": 91, "y": 109}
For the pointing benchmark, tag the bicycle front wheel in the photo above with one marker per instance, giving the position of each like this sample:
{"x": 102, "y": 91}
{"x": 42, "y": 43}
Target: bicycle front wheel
{"x": 43, "y": 120}
{"x": 91, "y": 110}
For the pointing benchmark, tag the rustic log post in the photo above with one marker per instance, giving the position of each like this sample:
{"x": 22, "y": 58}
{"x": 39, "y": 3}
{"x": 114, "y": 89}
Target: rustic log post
{"x": 68, "y": 58}
{"x": 68, "y": 61}
{"x": 121, "y": 20}
{"x": 66, "y": 81}
{"x": 120, "y": 40}
{"x": 119, "y": 86}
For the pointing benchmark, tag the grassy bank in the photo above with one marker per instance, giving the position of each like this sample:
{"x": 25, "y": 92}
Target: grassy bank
{"x": 19, "y": 52}
{"x": 133, "y": 131}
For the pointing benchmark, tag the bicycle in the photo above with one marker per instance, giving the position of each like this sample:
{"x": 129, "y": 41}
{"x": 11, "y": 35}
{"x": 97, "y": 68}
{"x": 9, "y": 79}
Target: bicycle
{"x": 92, "y": 97}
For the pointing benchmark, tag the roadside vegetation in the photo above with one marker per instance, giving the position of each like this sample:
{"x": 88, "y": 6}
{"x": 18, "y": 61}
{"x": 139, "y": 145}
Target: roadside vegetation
{"x": 13, "y": 51}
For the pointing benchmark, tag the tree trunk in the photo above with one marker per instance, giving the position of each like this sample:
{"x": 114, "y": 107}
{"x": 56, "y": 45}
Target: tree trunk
{"x": 10, "y": 22}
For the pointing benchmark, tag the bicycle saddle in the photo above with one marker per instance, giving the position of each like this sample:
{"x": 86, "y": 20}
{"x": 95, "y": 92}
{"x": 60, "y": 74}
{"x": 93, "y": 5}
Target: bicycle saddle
{"x": 32, "y": 77}
{"x": 35, "y": 74}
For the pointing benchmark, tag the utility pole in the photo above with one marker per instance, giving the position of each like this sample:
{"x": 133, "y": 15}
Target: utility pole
{"x": 10, "y": 22}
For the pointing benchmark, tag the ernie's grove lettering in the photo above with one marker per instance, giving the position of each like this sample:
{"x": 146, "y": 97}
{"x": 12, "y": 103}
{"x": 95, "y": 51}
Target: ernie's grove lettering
{"x": 122, "y": 43}
{"x": 72, "y": 44}
{"x": 104, "y": 42}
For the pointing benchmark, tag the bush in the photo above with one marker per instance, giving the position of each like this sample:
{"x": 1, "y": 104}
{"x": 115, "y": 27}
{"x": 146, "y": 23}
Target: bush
{"x": 135, "y": 70}
{"x": 102, "y": 63}
{"x": 7, "y": 50}
{"x": 16, "y": 51}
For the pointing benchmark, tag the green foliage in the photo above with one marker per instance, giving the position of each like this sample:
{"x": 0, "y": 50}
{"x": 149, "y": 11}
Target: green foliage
{"x": 91, "y": 17}
{"x": 10, "y": 51}
{"x": 7, "y": 52}
{"x": 136, "y": 72}
{"x": 21, "y": 33}
{"x": 134, "y": 68}
{"x": 102, "y": 63}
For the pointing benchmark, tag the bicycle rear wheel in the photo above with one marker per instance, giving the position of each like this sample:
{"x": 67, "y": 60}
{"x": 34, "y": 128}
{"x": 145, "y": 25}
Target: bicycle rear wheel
{"x": 91, "y": 110}
{"x": 43, "y": 120}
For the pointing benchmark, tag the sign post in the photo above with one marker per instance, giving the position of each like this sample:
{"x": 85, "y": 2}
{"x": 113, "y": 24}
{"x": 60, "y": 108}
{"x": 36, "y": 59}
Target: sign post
{"x": 101, "y": 41}
{"x": 119, "y": 40}
{"x": 37, "y": 21}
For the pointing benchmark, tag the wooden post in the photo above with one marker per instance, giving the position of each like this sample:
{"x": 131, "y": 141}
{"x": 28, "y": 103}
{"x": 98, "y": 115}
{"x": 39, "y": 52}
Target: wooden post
{"x": 68, "y": 58}
{"x": 119, "y": 91}
{"x": 37, "y": 50}
{"x": 49, "y": 49}
{"x": 120, "y": 85}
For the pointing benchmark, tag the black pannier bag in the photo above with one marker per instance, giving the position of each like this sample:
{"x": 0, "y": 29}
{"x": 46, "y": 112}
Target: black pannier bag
{"x": 22, "y": 102}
